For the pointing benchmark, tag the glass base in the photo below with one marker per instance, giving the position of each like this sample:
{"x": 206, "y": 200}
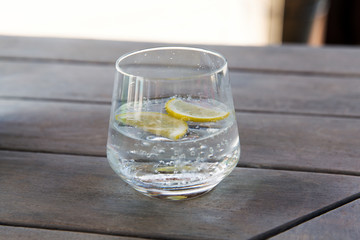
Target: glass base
{"x": 175, "y": 194}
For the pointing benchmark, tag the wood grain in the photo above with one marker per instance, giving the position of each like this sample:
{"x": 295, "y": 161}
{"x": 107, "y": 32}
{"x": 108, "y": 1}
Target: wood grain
{"x": 267, "y": 140}
{"x": 326, "y": 60}
{"x": 7, "y": 232}
{"x": 62, "y": 81}
{"x": 296, "y": 94}
{"x": 299, "y": 110}
{"x": 300, "y": 142}
{"x": 54, "y": 127}
{"x": 251, "y": 92}
{"x": 341, "y": 223}
{"x": 82, "y": 193}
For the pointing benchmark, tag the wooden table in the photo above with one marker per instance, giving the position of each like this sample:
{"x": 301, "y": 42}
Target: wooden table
{"x": 298, "y": 112}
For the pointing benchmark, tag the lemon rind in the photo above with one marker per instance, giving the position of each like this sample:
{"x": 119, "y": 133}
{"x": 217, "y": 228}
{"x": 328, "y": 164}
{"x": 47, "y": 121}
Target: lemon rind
{"x": 184, "y": 117}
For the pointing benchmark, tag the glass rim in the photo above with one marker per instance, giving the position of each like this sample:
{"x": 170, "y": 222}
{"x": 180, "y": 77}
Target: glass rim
{"x": 129, "y": 54}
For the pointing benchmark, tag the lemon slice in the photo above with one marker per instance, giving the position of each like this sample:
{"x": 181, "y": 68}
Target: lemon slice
{"x": 172, "y": 169}
{"x": 156, "y": 123}
{"x": 191, "y": 112}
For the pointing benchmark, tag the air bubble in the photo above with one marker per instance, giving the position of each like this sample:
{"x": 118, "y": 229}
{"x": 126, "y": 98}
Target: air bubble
{"x": 150, "y": 155}
{"x": 192, "y": 153}
{"x": 199, "y": 159}
{"x": 211, "y": 150}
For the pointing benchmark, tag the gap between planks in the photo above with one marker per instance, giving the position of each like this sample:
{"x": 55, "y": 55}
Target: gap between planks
{"x": 291, "y": 224}
{"x": 265, "y": 235}
{"x": 239, "y": 165}
{"x": 234, "y": 69}
{"x": 251, "y": 111}
{"x": 298, "y": 169}
{"x": 78, "y": 230}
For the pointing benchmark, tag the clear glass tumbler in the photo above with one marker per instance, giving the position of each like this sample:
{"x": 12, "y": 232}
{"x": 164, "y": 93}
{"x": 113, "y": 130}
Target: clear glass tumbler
{"x": 172, "y": 132}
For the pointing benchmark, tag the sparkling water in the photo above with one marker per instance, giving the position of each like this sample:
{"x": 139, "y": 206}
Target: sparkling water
{"x": 189, "y": 166}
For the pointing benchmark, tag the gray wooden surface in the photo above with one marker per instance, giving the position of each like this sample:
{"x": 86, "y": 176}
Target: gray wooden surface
{"x": 82, "y": 194}
{"x": 299, "y": 122}
{"x": 341, "y": 223}
{"x": 8, "y": 232}
{"x": 298, "y": 59}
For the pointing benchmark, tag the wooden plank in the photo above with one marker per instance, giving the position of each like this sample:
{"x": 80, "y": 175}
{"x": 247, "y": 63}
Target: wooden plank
{"x": 326, "y": 60}
{"x": 252, "y": 92}
{"x": 54, "y": 127}
{"x": 296, "y": 94}
{"x": 82, "y": 82}
{"x": 7, "y": 232}
{"x": 267, "y": 140}
{"x": 300, "y": 142}
{"x": 82, "y": 193}
{"x": 341, "y": 223}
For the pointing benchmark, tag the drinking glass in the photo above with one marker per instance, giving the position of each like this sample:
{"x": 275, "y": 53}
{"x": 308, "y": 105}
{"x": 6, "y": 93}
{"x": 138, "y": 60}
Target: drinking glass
{"x": 172, "y": 131}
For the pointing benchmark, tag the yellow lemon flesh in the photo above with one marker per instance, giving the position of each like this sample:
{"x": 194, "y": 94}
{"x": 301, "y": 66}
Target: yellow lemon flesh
{"x": 191, "y": 112}
{"x": 156, "y": 123}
